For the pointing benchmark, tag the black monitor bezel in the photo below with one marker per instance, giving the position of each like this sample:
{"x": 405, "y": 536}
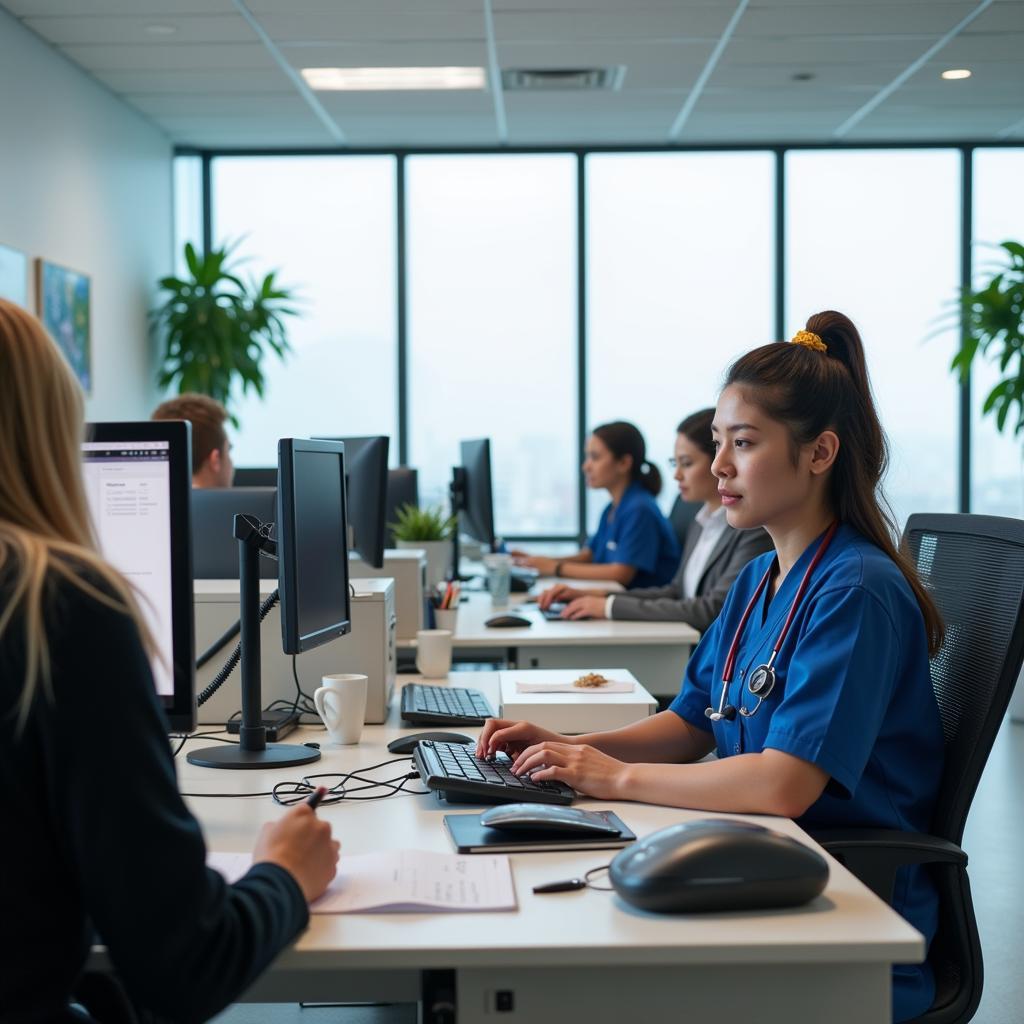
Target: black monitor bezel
{"x": 292, "y": 642}
{"x": 471, "y": 459}
{"x": 181, "y": 710}
{"x": 356, "y": 449}
{"x": 255, "y": 476}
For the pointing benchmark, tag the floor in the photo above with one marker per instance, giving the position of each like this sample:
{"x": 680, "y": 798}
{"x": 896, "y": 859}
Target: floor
{"x": 994, "y": 841}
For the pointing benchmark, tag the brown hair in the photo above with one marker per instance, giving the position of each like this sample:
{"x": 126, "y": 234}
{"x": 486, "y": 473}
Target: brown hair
{"x": 697, "y": 428}
{"x": 207, "y": 417}
{"x": 45, "y": 527}
{"x": 622, "y": 438}
{"x": 812, "y": 391}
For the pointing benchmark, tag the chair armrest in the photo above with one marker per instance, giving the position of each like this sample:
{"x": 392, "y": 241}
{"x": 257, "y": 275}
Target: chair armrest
{"x": 874, "y": 855}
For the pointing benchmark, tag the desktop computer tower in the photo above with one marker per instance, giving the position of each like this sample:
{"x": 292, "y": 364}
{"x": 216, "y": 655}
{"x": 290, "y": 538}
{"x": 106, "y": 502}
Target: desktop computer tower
{"x": 369, "y": 649}
{"x": 408, "y": 568}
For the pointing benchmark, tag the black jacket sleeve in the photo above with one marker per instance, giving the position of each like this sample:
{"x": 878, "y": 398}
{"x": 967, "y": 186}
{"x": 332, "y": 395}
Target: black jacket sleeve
{"x": 183, "y": 941}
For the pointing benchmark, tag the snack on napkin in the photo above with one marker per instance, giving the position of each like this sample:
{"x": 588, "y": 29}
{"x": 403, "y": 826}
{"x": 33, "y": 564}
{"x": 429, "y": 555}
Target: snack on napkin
{"x": 590, "y": 681}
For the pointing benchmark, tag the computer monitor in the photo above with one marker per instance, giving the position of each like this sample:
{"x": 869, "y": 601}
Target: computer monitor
{"x": 260, "y": 476}
{"x": 403, "y": 489}
{"x": 138, "y": 482}
{"x": 313, "y": 589}
{"x": 214, "y": 547}
{"x": 366, "y": 484}
{"x": 477, "y": 510}
{"x": 312, "y": 547}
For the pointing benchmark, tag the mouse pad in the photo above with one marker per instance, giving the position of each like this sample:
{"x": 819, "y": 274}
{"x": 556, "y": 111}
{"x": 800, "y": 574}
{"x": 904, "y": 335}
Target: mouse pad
{"x": 469, "y": 836}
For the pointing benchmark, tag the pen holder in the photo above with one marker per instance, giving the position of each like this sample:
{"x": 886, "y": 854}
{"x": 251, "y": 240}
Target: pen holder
{"x": 446, "y": 618}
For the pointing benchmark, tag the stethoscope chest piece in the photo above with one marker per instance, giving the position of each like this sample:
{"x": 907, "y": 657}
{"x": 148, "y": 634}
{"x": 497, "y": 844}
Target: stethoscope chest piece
{"x": 759, "y": 685}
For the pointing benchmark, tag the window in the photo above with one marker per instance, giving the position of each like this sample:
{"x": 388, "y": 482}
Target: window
{"x": 875, "y": 234}
{"x": 327, "y": 225}
{"x": 680, "y": 281}
{"x": 492, "y": 329}
{"x": 997, "y": 459}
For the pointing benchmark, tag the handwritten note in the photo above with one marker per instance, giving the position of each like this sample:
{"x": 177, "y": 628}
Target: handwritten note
{"x": 411, "y": 880}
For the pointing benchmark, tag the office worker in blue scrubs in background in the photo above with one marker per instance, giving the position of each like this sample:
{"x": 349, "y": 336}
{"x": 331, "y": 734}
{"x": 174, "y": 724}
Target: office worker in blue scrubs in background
{"x": 813, "y": 683}
{"x": 634, "y": 544}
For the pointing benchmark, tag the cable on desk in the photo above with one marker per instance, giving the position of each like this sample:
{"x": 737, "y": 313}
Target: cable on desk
{"x": 288, "y": 793}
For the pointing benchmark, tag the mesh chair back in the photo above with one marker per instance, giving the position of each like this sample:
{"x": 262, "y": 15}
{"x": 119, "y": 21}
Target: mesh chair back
{"x": 974, "y": 568}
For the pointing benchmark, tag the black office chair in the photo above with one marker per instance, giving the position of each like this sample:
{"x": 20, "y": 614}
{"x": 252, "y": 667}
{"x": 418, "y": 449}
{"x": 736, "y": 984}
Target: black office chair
{"x": 681, "y": 515}
{"x": 974, "y": 568}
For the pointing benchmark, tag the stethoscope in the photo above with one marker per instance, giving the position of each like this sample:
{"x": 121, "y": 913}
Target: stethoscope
{"x": 762, "y": 679}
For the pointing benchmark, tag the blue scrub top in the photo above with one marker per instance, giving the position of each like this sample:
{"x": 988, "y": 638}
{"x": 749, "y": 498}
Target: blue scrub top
{"x": 637, "y": 533}
{"x": 853, "y": 695}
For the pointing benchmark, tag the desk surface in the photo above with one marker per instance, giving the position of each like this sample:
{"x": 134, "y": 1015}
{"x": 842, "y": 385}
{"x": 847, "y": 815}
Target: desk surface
{"x": 846, "y": 925}
{"x": 470, "y": 630}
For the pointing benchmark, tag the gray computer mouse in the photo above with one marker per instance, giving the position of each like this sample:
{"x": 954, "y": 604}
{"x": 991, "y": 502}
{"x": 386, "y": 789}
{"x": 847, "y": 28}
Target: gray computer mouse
{"x": 716, "y": 864}
{"x": 525, "y": 817}
{"x": 405, "y": 744}
{"x": 507, "y": 621}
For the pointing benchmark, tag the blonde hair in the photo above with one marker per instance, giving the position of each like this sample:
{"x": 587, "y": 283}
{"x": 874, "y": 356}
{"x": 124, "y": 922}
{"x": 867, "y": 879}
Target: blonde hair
{"x": 45, "y": 528}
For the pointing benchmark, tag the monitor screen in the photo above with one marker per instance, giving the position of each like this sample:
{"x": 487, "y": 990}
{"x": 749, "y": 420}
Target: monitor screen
{"x": 261, "y": 476}
{"x": 366, "y": 482}
{"x": 403, "y": 489}
{"x": 312, "y": 543}
{"x": 214, "y": 547}
{"x": 478, "y": 506}
{"x": 138, "y": 484}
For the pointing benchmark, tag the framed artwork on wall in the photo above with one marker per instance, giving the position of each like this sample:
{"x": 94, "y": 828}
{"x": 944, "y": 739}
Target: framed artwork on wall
{"x": 64, "y": 306}
{"x": 13, "y": 275}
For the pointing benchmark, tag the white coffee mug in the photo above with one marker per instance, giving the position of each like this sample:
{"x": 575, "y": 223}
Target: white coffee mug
{"x": 341, "y": 703}
{"x": 434, "y": 652}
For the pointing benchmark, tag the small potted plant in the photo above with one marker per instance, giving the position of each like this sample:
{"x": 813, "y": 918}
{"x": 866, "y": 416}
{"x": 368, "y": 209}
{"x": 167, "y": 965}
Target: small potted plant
{"x": 428, "y": 528}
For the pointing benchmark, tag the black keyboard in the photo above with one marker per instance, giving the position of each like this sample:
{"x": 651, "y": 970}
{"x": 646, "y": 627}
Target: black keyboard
{"x": 444, "y": 705}
{"x": 462, "y": 777}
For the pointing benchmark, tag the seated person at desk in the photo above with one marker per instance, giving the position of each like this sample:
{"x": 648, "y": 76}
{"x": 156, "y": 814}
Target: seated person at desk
{"x": 635, "y": 544}
{"x": 97, "y": 838}
{"x": 211, "y": 449}
{"x": 713, "y": 552}
{"x": 833, "y": 720}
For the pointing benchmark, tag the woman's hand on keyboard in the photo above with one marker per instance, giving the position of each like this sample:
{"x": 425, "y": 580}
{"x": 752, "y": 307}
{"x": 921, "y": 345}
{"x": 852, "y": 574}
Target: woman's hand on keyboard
{"x": 501, "y": 734}
{"x": 579, "y": 765}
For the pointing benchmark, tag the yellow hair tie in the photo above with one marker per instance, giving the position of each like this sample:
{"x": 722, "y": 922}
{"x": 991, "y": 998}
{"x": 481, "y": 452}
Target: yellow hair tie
{"x": 810, "y": 340}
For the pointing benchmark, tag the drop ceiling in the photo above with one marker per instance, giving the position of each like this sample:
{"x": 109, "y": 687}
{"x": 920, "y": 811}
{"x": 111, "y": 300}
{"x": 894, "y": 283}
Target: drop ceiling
{"x": 222, "y": 73}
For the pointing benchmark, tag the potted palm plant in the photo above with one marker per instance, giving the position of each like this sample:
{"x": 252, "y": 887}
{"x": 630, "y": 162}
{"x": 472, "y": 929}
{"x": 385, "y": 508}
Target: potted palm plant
{"x": 217, "y": 329}
{"x": 428, "y": 528}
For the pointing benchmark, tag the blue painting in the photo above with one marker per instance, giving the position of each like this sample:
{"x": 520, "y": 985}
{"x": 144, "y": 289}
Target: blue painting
{"x": 13, "y": 276}
{"x": 63, "y": 299}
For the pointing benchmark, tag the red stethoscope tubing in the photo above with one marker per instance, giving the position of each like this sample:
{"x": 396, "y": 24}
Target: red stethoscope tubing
{"x": 730, "y": 661}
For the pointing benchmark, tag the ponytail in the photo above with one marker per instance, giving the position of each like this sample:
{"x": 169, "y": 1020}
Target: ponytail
{"x": 621, "y": 439}
{"x": 820, "y": 382}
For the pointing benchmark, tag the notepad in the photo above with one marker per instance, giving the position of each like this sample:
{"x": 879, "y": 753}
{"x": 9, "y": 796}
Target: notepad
{"x": 403, "y": 881}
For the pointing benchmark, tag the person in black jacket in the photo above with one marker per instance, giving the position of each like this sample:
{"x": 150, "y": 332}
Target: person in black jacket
{"x": 713, "y": 552}
{"x": 98, "y": 843}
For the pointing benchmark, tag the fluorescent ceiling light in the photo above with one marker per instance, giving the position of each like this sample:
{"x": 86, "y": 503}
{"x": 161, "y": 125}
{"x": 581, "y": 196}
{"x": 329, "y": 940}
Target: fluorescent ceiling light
{"x": 955, "y": 73}
{"x": 378, "y": 79}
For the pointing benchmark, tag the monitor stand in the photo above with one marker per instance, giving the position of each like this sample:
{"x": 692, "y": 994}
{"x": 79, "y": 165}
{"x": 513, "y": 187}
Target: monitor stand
{"x": 252, "y": 749}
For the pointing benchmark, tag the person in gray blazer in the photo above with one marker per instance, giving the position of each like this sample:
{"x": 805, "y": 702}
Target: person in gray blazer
{"x": 713, "y": 552}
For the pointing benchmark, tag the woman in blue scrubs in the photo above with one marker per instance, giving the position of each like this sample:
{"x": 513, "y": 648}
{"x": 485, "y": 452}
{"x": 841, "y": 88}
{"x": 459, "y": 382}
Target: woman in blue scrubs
{"x": 635, "y": 544}
{"x": 844, "y": 729}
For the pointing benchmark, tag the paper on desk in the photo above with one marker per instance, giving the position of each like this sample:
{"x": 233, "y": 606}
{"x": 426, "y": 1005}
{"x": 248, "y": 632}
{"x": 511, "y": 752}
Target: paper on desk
{"x": 411, "y": 880}
{"x": 566, "y": 686}
{"x": 231, "y": 865}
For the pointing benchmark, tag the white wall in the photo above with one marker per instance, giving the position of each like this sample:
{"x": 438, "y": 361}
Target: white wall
{"x": 86, "y": 182}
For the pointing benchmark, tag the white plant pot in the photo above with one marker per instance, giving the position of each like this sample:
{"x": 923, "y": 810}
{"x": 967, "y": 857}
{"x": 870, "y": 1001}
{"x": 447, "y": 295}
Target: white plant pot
{"x": 439, "y": 556}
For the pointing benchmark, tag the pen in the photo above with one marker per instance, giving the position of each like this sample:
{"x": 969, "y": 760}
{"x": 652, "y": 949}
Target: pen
{"x": 567, "y": 886}
{"x": 314, "y": 799}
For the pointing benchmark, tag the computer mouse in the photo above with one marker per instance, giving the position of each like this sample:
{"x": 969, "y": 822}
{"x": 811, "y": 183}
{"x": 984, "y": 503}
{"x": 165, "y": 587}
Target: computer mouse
{"x": 507, "y": 621}
{"x": 716, "y": 864}
{"x": 405, "y": 744}
{"x": 525, "y": 817}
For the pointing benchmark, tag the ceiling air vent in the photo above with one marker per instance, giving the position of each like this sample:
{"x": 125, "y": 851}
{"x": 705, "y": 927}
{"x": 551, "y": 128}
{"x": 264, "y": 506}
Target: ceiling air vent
{"x": 562, "y": 79}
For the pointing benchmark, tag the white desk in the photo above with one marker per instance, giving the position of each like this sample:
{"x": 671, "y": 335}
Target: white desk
{"x": 655, "y": 652}
{"x": 582, "y": 956}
